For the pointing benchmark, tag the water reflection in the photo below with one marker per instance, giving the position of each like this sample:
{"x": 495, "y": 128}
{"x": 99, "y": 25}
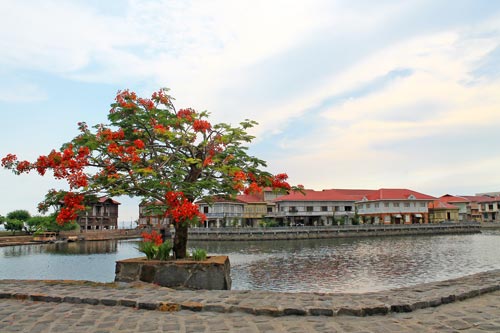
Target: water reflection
{"x": 357, "y": 265}
{"x": 330, "y": 265}
{"x": 79, "y": 248}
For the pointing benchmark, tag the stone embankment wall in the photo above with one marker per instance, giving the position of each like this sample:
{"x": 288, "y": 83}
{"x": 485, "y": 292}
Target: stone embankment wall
{"x": 247, "y": 234}
{"x": 91, "y": 235}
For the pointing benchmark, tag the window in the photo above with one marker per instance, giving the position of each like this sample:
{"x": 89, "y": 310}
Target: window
{"x": 407, "y": 204}
{"x": 324, "y": 208}
{"x": 337, "y": 208}
{"x": 361, "y": 206}
{"x": 395, "y": 204}
{"x": 292, "y": 209}
{"x": 205, "y": 210}
{"x": 348, "y": 208}
{"x": 423, "y": 204}
{"x": 376, "y": 205}
{"x": 490, "y": 206}
{"x": 309, "y": 208}
{"x": 368, "y": 206}
{"x": 269, "y": 209}
{"x": 386, "y": 204}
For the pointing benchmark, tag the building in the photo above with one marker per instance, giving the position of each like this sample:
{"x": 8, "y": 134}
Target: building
{"x": 489, "y": 207}
{"x": 313, "y": 207}
{"x": 102, "y": 214}
{"x": 152, "y": 216}
{"x": 316, "y": 208}
{"x": 255, "y": 209}
{"x": 440, "y": 211}
{"x": 463, "y": 204}
{"x": 394, "y": 206}
{"x": 222, "y": 212}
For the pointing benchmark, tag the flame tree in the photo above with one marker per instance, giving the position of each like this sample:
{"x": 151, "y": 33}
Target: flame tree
{"x": 152, "y": 151}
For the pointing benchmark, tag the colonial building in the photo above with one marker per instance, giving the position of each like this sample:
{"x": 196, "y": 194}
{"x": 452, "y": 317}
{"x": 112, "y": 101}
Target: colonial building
{"x": 489, "y": 207}
{"x": 152, "y": 215}
{"x": 222, "y": 212}
{"x": 440, "y": 211}
{"x": 101, "y": 215}
{"x": 394, "y": 206}
{"x": 255, "y": 209}
{"x": 462, "y": 203}
{"x": 312, "y": 207}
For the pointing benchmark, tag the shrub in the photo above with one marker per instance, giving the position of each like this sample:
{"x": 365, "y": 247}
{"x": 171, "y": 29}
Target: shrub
{"x": 199, "y": 254}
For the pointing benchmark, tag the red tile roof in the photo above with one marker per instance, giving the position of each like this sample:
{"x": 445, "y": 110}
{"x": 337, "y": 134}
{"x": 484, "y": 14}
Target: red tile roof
{"x": 480, "y": 198}
{"x": 354, "y": 195}
{"x": 104, "y": 199}
{"x": 452, "y": 198}
{"x": 397, "y": 194}
{"x": 438, "y": 204}
{"x": 325, "y": 195}
{"x": 251, "y": 198}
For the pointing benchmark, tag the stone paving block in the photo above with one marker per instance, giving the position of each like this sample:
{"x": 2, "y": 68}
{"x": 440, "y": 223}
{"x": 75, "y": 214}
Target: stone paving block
{"x": 109, "y": 302}
{"x": 128, "y": 303}
{"x": 193, "y": 306}
{"x": 294, "y": 312}
{"x": 320, "y": 312}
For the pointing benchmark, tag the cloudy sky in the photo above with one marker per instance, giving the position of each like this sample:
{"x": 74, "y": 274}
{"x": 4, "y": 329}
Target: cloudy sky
{"x": 348, "y": 94}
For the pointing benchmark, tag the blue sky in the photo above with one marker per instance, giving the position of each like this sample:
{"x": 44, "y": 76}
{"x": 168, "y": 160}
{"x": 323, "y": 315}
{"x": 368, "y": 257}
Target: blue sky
{"x": 348, "y": 94}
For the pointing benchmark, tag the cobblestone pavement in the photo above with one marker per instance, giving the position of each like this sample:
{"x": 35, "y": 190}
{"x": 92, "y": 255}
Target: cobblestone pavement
{"x": 151, "y": 297}
{"x": 478, "y": 314}
{"x": 470, "y": 303}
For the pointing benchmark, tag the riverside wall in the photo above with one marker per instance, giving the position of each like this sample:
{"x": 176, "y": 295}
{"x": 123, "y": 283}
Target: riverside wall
{"x": 292, "y": 233}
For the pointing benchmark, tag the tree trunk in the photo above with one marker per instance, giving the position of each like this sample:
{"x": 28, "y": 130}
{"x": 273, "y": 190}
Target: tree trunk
{"x": 180, "y": 240}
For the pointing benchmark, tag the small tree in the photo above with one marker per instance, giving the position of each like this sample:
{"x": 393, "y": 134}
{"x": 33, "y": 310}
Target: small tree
{"x": 21, "y": 215}
{"x": 14, "y": 225}
{"x": 152, "y": 151}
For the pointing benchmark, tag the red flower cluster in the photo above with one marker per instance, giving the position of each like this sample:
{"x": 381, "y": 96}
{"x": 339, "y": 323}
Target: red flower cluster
{"x": 279, "y": 182}
{"x": 72, "y": 205}
{"x": 160, "y": 129}
{"x": 180, "y": 209}
{"x": 253, "y": 188}
{"x": 9, "y": 160}
{"x": 160, "y": 97}
{"x": 186, "y": 114}
{"x": 139, "y": 144}
{"x": 152, "y": 237}
{"x": 201, "y": 125}
{"x": 109, "y": 135}
{"x": 64, "y": 165}
{"x": 146, "y": 103}
{"x": 126, "y": 99}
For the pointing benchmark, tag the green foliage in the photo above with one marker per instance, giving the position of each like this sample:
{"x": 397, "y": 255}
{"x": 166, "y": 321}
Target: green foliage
{"x": 156, "y": 252}
{"x": 149, "y": 249}
{"x": 164, "y": 250}
{"x": 199, "y": 254}
{"x": 21, "y": 215}
{"x": 13, "y": 225}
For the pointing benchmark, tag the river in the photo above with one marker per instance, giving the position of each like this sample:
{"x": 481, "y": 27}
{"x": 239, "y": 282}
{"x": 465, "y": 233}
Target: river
{"x": 326, "y": 265}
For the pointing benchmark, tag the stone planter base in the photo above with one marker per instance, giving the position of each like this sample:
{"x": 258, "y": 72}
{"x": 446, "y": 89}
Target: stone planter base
{"x": 212, "y": 273}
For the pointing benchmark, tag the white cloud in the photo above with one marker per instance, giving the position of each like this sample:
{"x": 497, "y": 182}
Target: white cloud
{"x": 21, "y": 92}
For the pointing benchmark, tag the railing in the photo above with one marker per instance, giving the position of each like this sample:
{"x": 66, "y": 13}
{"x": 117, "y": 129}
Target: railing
{"x": 337, "y": 228}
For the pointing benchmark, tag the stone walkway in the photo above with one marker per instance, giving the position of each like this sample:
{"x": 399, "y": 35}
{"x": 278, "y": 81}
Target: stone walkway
{"x": 478, "y": 314}
{"x": 471, "y": 303}
{"x": 151, "y": 297}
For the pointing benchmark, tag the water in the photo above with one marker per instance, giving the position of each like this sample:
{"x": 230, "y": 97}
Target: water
{"x": 329, "y": 265}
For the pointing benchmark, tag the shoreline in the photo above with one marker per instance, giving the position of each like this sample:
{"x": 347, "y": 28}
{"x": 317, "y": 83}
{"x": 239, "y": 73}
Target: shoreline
{"x": 280, "y": 233}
